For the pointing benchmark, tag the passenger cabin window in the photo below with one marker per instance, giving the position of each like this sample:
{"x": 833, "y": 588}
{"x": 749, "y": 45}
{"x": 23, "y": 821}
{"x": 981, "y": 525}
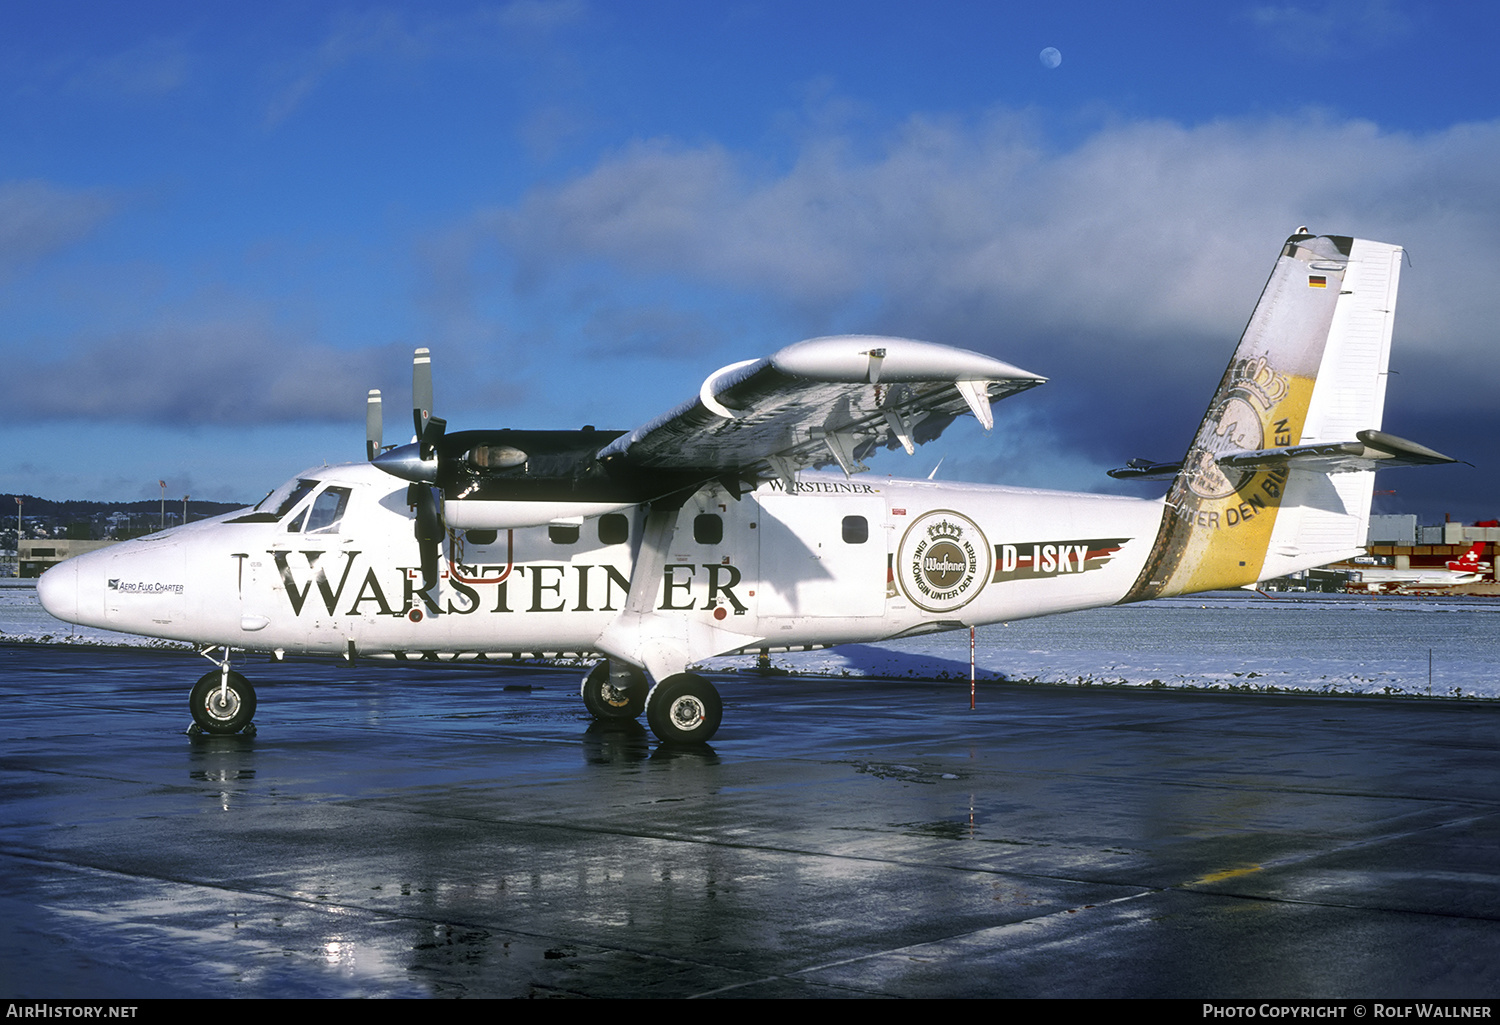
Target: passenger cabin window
{"x": 563, "y": 533}
{"x": 856, "y": 530}
{"x": 614, "y": 529}
{"x": 708, "y": 529}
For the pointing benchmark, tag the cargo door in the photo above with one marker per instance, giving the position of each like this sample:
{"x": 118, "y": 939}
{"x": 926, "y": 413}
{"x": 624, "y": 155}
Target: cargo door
{"x": 822, "y": 557}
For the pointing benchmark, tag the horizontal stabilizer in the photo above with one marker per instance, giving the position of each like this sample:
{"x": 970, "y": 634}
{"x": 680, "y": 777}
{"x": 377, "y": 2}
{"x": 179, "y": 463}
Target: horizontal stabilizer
{"x": 1145, "y": 469}
{"x": 1375, "y": 450}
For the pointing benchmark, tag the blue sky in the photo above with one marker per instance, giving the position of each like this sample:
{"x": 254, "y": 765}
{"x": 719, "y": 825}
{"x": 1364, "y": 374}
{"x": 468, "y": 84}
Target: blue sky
{"x": 221, "y": 224}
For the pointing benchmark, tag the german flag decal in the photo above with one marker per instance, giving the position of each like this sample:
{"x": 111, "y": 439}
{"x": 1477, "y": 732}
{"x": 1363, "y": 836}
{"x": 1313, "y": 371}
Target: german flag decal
{"x": 1317, "y": 281}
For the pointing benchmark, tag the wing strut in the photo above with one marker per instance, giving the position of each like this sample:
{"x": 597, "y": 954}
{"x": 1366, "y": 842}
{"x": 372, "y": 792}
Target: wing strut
{"x": 656, "y": 538}
{"x": 663, "y": 643}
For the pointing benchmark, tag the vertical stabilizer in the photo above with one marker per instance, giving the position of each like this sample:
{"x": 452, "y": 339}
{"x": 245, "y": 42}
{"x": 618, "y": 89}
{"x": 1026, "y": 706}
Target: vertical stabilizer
{"x": 1310, "y": 368}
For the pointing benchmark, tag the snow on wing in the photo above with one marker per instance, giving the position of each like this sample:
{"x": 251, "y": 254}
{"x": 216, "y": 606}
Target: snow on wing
{"x": 822, "y": 402}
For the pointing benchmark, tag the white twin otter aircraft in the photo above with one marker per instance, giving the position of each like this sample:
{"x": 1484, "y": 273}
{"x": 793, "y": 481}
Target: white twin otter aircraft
{"x": 698, "y": 534}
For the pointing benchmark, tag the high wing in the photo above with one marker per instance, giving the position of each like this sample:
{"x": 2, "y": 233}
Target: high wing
{"x": 818, "y": 403}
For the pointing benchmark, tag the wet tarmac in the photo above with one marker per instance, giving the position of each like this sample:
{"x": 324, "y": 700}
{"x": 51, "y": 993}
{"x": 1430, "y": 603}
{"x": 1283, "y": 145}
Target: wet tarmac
{"x": 464, "y": 831}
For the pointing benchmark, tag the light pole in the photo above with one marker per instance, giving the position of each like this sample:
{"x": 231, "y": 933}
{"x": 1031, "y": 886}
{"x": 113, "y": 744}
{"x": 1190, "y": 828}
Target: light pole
{"x": 18, "y": 537}
{"x": 163, "y": 504}
{"x": 184, "y": 509}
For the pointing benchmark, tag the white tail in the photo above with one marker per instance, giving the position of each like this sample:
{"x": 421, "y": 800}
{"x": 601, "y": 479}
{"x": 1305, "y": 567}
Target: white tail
{"x": 1275, "y": 480}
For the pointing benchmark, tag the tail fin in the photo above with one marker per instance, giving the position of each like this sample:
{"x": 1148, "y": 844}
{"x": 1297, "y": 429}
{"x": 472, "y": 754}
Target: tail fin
{"x": 1469, "y": 562}
{"x": 1274, "y": 481}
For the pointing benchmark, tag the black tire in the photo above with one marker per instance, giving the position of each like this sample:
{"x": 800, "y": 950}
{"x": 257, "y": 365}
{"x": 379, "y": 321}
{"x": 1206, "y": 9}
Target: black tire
{"x": 684, "y": 709}
{"x": 613, "y": 691}
{"x": 216, "y": 711}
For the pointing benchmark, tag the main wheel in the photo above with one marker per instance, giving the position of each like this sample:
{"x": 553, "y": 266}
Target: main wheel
{"x": 614, "y": 691}
{"x": 221, "y": 706}
{"x": 684, "y": 709}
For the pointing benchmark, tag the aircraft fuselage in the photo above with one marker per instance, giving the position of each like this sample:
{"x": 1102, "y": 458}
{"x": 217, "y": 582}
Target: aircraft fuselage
{"x": 838, "y": 561}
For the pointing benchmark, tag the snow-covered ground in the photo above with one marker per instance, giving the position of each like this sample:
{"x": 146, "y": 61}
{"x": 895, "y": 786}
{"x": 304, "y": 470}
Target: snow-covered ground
{"x": 1445, "y": 647}
{"x": 22, "y": 618}
{"x": 1225, "y": 640}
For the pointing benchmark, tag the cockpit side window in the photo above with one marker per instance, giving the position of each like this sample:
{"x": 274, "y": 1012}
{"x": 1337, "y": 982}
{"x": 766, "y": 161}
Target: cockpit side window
{"x": 328, "y": 510}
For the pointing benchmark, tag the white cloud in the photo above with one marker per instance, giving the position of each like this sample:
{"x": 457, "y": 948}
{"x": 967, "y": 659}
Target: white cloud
{"x": 395, "y": 36}
{"x": 370, "y": 33}
{"x": 202, "y": 373}
{"x": 1322, "y": 28}
{"x": 1124, "y": 267}
{"x": 151, "y": 69}
{"x": 38, "y": 218}
{"x": 1155, "y": 233}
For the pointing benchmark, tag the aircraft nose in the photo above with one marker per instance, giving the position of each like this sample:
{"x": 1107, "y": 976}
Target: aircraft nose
{"x": 58, "y": 590}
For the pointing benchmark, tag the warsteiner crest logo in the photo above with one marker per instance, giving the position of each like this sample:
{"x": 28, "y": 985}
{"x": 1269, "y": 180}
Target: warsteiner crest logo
{"x": 943, "y": 562}
{"x": 1236, "y": 423}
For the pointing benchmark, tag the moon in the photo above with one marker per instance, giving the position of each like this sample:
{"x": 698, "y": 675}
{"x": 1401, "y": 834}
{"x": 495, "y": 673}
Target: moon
{"x": 1051, "y": 57}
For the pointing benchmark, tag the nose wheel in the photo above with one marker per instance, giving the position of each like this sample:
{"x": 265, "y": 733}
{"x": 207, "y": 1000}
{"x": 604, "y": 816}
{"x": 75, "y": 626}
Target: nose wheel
{"x": 222, "y": 702}
{"x": 684, "y": 709}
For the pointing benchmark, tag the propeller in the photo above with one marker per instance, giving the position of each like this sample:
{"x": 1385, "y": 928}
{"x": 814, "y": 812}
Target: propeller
{"x": 417, "y": 462}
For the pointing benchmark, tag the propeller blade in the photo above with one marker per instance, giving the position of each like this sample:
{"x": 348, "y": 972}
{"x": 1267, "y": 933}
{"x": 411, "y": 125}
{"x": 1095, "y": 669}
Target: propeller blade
{"x": 372, "y": 424}
{"x": 428, "y": 528}
{"x": 421, "y": 389}
{"x": 430, "y": 436}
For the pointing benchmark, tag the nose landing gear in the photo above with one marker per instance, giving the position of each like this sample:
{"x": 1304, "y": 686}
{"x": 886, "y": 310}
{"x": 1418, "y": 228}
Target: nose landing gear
{"x": 222, "y": 702}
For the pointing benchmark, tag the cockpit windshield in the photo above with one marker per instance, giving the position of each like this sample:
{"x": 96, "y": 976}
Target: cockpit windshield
{"x": 303, "y": 505}
{"x": 279, "y": 502}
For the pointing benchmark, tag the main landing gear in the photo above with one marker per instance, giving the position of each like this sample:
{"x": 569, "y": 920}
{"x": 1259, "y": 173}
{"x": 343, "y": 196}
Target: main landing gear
{"x": 614, "y": 691}
{"x": 222, "y": 702}
{"x": 682, "y": 709}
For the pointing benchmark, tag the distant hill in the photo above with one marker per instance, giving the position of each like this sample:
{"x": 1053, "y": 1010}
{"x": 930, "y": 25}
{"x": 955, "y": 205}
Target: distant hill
{"x": 80, "y": 510}
{"x": 99, "y": 520}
